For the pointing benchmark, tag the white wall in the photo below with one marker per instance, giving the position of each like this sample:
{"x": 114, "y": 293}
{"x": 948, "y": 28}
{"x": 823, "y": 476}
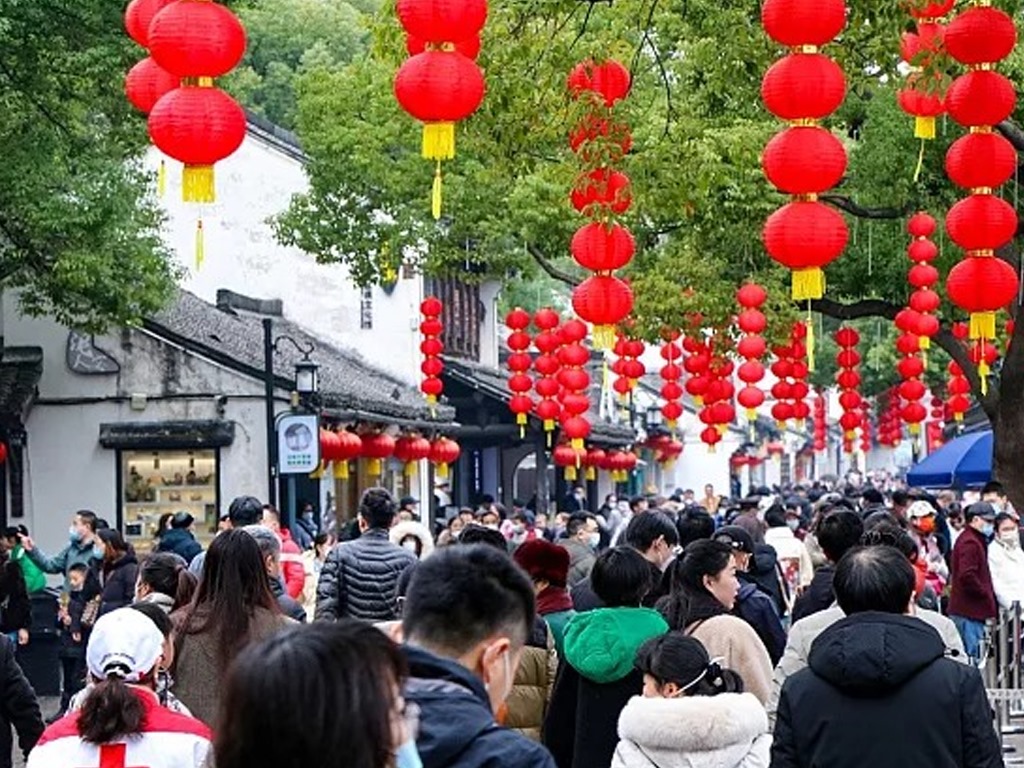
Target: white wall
{"x": 253, "y": 185}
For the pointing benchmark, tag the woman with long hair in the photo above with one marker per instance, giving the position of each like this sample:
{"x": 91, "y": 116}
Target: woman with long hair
{"x": 693, "y": 712}
{"x": 121, "y": 721}
{"x": 165, "y": 581}
{"x": 704, "y": 590}
{"x": 118, "y": 570}
{"x": 348, "y": 673}
{"x": 233, "y": 606}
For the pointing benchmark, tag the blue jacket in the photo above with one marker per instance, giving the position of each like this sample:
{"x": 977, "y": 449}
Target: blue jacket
{"x": 180, "y": 542}
{"x": 758, "y": 610}
{"x": 457, "y": 728}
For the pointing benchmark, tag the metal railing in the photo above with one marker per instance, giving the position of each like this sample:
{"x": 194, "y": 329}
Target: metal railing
{"x": 1001, "y": 664}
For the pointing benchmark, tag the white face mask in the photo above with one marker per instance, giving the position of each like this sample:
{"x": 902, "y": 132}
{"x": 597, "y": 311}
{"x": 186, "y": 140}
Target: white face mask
{"x": 1009, "y": 538}
{"x": 594, "y": 540}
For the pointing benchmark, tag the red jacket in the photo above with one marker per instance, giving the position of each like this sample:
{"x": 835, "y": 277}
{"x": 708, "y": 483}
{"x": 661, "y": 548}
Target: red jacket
{"x": 972, "y": 596}
{"x": 293, "y": 572}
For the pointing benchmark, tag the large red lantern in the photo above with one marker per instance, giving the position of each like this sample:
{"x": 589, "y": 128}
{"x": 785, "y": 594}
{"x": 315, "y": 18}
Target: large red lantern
{"x": 377, "y": 446}
{"x": 602, "y": 248}
{"x": 442, "y": 21}
{"x": 569, "y": 458}
{"x": 345, "y": 447}
{"x": 604, "y": 301}
{"x": 146, "y": 83}
{"x": 804, "y": 160}
{"x": 410, "y": 450}
{"x": 443, "y": 452}
{"x": 805, "y": 236}
{"x": 196, "y": 38}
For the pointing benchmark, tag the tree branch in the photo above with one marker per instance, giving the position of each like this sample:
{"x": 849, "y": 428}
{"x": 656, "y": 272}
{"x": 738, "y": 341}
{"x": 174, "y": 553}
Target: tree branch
{"x": 1013, "y": 133}
{"x": 856, "y": 310}
{"x": 844, "y": 203}
{"x": 550, "y": 268}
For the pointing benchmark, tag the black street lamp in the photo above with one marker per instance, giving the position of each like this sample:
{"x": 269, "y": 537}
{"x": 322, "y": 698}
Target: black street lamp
{"x": 654, "y": 420}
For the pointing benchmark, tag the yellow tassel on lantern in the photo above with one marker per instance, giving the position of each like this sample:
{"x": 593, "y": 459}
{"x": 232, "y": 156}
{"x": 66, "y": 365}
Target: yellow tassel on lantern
{"x": 983, "y": 372}
{"x": 722, "y": 428}
{"x": 604, "y": 336}
{"x": 410, "y": 469}
{"x": 711, "y": 449}
{"x": 318, "y": 473}
{"x": 958, "y": 417}
{"x": 442, "y": 470}
{"x": 983, "y": 325}
{"x": 915, "y": 429}
{"x": 161, "y": 178}
{"x": 577, "y": 444}
{"x": 591, "y": 474}
{"x": 808, "y": 284}
{"x": 432, "y": 399}
{"x": 439, "y": 141}
{"x": 340, "y": 470}
{"x": 570, "y": 473}
{"x": 923, "y": 342}
{"x": 924, "y": 127}
{"x": 200, "y": 244}
{"x": 435, "y": 193}
{"x": 197, "y": 184}
{"x": 751, "y": 414}
{"x": 374, "y": 467}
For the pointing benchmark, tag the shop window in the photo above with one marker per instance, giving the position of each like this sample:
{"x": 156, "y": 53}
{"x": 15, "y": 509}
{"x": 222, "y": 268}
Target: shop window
{"x": 158, "y": 483}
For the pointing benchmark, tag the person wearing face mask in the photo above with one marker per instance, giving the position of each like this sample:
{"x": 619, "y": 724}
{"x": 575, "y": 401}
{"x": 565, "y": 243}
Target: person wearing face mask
{"x": 1006, "y": 562}
{"x": 692, "y": 713}
{"x": 972, "y": 599}
{"x": 704, "y": 591}
{"x": 582, "y": 538}
{"x": 467, "y": 617}
{"x": 413, "y": 536}
{"x": 81, "y": 536}
{"x": 922, "y": 530}
{"x": 121, "y": 721}
{"x": 795, "y": 560}
{"x": 598, "y": 677}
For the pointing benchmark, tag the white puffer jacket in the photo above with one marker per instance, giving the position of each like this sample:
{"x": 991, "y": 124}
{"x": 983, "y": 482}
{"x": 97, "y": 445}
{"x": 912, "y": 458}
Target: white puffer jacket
{"x": 725, "y": 731}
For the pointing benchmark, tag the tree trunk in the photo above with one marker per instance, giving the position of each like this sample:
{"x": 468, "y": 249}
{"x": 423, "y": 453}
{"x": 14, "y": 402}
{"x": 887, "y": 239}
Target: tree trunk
{"x": 1008, "y": 422}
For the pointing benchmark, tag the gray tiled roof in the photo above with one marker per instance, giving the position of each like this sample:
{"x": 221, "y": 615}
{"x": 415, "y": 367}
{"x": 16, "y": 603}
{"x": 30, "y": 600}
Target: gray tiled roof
{"x": 347, "y": 382}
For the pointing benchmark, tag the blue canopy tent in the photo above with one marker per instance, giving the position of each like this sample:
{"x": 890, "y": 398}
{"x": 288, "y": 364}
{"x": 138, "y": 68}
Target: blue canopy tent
{"x": 960, "y": 463}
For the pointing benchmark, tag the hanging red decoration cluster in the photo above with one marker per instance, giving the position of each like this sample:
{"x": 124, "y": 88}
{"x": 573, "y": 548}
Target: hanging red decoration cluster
{"x": 147, "y": 81}
{"x": 377, "y": 446}
{"x": 923, "y": 96}
{"x": 666, "y": 449}
{"x": 627, "y": 367}
{"x": 443, "y": 452}
{"x": 911, "y": 369}
{"x": 519, "y": 364}
{"x": 866, "y": 438}
{"x": 671, "y": 374}
{"x": 820, "y": 422}
{"x": 193, "y": 41}
{"x": 432, "y": 366}
{"x": 695, "y": 363}
{"x": 805, "y": 159}
{"x": 440, "y": 83}
{"x": 752, "y": 322}
{"x": 980, "y": 162}
{"x": 958, "y": 391}
{"x": 790, "y": 368}
{"x": 936, "y": 424}
{"x": 338, "y": 449}
{"x": 890, "y": 426}
{"x": 546, "y": 366}
{"x": 603, "y": 245}
{"x": 593, "y": 461}
{"x": 848, "y": 380}
{"x": 620, "y": 464}
{"x": 411, "y": 450}
{"x": 718, "y": 410}
{"x": 924, "y": 301}
{"x": 575, "y": 381}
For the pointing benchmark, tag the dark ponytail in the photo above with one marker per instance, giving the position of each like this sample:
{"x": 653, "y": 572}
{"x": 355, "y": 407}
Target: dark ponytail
{"x": 111, "y": 710}
{"x": 165, "y": 573}
{"x": 689, "y": 600}
{"x": 682, "y": 660}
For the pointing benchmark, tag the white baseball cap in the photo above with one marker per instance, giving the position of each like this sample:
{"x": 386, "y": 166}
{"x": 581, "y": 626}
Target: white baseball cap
{"x": 125, "y": 643}
{"x": 920, "y": 509}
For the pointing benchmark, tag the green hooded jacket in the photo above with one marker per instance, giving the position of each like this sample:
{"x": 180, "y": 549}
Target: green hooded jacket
{"x": 35, "y": 579}
{"x": 602, "y": 644}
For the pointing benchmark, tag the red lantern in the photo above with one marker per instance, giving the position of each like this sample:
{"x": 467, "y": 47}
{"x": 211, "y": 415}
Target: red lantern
{"x": 377, "y": 446}
{"x": 982, "y": 286}
{"x": 146, "y": 83}
{"x": 198, "y": 126}
{"x": 139, "y": 15}
{"x": 603, "y": 301}
{"x": 602, "y": 248}
{"x": 431, "y": 347}
{"x": 345, "y": 447}
{"x": 796, "y": 23}
{"x": 602, "y": 189}
{"x": 410, "y": 450}
{"x": 593, "y": 460}
{"x": 804, "y": 237}
{"x": 610, "y": 80}
{"x": 442, "y": 21}
{"x": 803, "y": 86}
{"x": 196, "y": 38}
{"x": 981, "y": 97}
{"x": 443, "y": 452}
{"x": 980, "y": 36}
{"x": 981, "y": 223}
{"x": 978, "y": 160}
{"x": 804, "y": 160}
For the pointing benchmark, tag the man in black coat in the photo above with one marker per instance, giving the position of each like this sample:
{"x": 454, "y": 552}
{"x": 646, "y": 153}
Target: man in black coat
{"x": 18, "y": 706}
{"x": 837, "y": 533}
{"x": 879, "y": 689}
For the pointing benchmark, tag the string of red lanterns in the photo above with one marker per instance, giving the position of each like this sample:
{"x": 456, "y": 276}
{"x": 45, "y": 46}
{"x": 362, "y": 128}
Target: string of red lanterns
{"x": 671, "y": 373}
{"x": 820, "y": 422}
{"x": 627, "y": 366}
{"x": 890, "y": 428}
{"x": 603, "y": 245}
{"x": 440, "y": 84}
{"x": 958, "y": 390}
{"x": 519, "y": 364}
{"x": 848, "y": 379}
{"x": 431, "y": 347}
{"x": 805, "y": 159}
{"x": 922, "y": 276}
{"x": 923, "y": 96}
{"x": 980, "y": 162}
{"x": 799, "y": 356}
{"x": 575, "y": 381}
{"x": 752, "y": 323}
{"x": 546, "y": 366}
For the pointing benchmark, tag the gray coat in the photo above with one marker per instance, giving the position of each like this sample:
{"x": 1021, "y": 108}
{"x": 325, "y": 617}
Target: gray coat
{"x": 359, "y": 580}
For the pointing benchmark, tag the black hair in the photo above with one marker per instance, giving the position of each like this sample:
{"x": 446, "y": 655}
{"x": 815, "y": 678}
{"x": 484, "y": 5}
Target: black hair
{"x": 479, "y": 534}
{"x": 874, "y": 579}
{"x": 89, "y": 518}
{"x": 839, "y": 531}
{"x": 377, "y": 508}
{"x": 1002, "y": 517}
{"x": 683, "y": 660}
{"x": 636, "y": 501}
{"x": 645, "y": 529}
{"x": 880, "y": 517}
{"x": 78, "y": 568}
{"x": 621, "y": 577}
{"x": 162, "y": 523}
{"x": 577, "y": 522}
{"x": 462, "y": 595}
{"x": 112, "y": 710}
{"x": 775, "y": 516}
{"x": 245, "y": 510}
{"x": 320, "y": 539}
{"x": 165, "y": 573}
{"x": 112, "y": 538}
{"x": 10, "y": 532}
{"x": 348, "y": 672}
{"x": 157, "y": 615}
{"x": 900, "y": 498}
{"x": 888, "y": 534}
{"x": 702, "y": 558}
{"x": 694, "y": 524}
{"x": 234, "y": 583}
{"x": 992, "y": 486}
{"x": 872, "y": 495}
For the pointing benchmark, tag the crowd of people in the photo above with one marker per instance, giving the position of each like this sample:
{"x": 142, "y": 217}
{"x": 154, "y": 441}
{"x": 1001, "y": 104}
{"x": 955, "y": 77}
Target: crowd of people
{"x": 778, "y": 629}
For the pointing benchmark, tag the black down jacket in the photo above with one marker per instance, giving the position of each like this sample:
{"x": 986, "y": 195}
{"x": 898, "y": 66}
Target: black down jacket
{"x": 880, "y": 692}
{"x": 359, "y": 580}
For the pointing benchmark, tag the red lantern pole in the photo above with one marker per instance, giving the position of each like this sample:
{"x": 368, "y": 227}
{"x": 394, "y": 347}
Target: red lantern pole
{"x": 546, "y": 366}
{"x": 671, "y": 373}
{"x": 848, "y": 379}
{"x": 519, "y": 363}
{"x": 752, "y": 322}
{"x": 805, "y": 159}
{"x": 432, "y": 366}
{"x": 980, "y": 162}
